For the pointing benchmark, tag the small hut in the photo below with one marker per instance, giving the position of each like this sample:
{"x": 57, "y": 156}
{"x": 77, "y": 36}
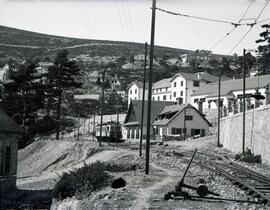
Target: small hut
{"x": 10, "y": 132}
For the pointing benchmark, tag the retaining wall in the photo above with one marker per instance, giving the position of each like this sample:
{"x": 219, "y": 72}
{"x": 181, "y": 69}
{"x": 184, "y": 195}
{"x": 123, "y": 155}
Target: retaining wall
{"x": 257, "y": 135}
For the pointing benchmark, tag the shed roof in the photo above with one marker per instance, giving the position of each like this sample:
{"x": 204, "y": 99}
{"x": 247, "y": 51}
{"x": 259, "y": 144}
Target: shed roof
{"x": 136, "y": 106}
{"x": 232, "y": 85}
{"x": 8, "y": 125}
{"x": 176, "y": 108}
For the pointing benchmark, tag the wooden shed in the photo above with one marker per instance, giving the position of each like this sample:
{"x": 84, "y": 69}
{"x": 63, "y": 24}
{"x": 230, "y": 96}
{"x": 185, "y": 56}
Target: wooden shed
{"x": 10, "y": 132}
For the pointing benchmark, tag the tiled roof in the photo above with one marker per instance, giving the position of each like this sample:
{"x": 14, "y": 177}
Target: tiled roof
{"x": 176, "y": 108}
{"x": 8, "y": 125}
{"x": 232, "y": 85}
{"x": 136, "y": 106}
{"x": 162, "y": 83}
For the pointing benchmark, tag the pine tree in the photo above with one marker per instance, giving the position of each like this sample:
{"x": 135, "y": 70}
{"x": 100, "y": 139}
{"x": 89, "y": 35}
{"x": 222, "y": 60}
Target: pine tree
{"x": 264, "y": 49}
{"x": 63, "y": 76}
{"x": 24, "y": 93}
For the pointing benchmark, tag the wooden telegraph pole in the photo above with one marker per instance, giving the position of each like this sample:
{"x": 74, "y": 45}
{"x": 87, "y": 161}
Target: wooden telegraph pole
{"x": 219, "y": 84}
{"x": 150, "y": 87}
{"x": 244, "y": 101}
{"x": 144, "y": 80}
{"x": 102, "y": 105}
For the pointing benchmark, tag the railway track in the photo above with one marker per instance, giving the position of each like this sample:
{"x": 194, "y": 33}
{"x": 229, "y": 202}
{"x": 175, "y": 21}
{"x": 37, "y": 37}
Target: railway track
{"x": 254, "y": 183}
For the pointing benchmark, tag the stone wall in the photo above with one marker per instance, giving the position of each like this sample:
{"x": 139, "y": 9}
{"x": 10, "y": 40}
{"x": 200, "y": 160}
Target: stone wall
{"x": 8, "y": 179}
{"x": 257, "y": 135}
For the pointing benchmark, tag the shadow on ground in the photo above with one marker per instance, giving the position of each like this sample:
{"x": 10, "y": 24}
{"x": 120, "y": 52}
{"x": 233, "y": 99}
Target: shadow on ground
{"x": 32, "y": 199}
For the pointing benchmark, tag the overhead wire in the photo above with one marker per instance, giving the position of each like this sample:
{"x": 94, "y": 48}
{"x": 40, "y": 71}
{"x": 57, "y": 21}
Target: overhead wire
{"x": 125, "y": 20}
{"x": 234, "y": 28}
{"x": 121, "y": 21}
{"x": 251, "y": 27}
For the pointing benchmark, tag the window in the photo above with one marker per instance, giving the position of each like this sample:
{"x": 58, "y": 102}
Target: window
{"x": 135, "y": 91}
{"x": 164, "y": 98}
{"x": 8, "y": 158}
{"x": 130, "y": 91}
{"x": 174, "y": 84}
{"x": 166, "y": 89}
{"x": 182, "y": 83}
{"x": 158, "y": 98}
{"x": 189, "y": 117}
{"x": 176, "y": 131}
{"x": 170, "y": 97}
{"x": 174, "y": 94}
{"x": 181, "y": 93}
{"x": 196, "y": 83}
{"x": 135, "y": 98}
{"x": 153, "y": 98}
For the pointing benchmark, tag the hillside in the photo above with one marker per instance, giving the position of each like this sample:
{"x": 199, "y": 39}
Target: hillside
{"x": 24, "y": 44}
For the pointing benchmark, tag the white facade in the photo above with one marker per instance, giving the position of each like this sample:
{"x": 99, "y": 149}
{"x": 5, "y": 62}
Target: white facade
{"x": 135, "y": 92}
{"x": 195, "y": 124}
{"x": 231, "y": 96}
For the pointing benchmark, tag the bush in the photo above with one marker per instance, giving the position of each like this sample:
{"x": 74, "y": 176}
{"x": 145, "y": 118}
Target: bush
{"x": 87, "y": 179}
{"x": 248, "y": 157}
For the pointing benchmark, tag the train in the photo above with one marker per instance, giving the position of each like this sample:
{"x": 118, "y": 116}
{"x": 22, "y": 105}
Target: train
{"x": 111, "y": 132}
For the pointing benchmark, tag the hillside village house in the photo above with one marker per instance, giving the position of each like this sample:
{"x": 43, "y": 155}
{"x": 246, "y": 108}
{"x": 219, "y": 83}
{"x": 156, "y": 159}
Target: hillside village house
{"x": 206, "y": 97}
{"x": 10, "y": 132}
{"x": 133, "y": 122}
{"x": 181, "y": 86}
{"x": 179, "y": 120}
{"x": 135, "y": 91}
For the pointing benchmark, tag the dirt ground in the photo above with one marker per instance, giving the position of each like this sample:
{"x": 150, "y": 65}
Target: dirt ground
{"x": 45, "y": 161}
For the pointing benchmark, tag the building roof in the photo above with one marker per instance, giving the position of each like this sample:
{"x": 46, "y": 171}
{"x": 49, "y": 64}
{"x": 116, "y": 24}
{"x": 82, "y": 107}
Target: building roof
{"x": 139, "y": 84}
{"x": 187, "y": 76}
{"x": 162, "y": 83}
{"x": 136, "y": 107}
{"x": 8, "y": 125}
{"x": 177, "y": 109}
{"x": 200, "y": 76}
{"x": 210, "y": 78}
{"x": 211, "y": 90}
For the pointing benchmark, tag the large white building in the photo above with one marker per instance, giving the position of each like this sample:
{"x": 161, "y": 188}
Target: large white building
{"x": 181, "y": 86}
{"x": 231, "y": 93}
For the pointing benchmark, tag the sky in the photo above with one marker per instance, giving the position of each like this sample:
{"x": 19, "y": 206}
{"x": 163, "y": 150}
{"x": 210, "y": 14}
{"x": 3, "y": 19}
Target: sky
{"x": 130, "y": 20}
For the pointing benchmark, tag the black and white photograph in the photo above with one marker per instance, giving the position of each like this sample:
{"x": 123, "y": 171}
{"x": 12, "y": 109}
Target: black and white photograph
{"x": 135, "y": 104}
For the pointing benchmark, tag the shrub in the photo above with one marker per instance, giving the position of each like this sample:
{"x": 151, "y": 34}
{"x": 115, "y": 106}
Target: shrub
{"x": 248, "y": 157}
{"x": 86, "y": 179}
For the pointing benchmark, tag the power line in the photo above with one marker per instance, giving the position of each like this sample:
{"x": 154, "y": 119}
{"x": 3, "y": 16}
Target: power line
{"x": 251, "y": 27}
{"x": 249, "y": 6}
{"x": 228, "y": 33}
{"x": 120, "y": 17}
{"x": 222, "y": 39}
{"x": 201, "y": 18}
{"x": 262, "y": 10}
{"x": 240, "y": 40}
{"x": 130, "y": 20}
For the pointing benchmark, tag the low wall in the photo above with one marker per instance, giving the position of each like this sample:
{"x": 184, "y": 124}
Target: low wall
{"x": 257, "y": 135}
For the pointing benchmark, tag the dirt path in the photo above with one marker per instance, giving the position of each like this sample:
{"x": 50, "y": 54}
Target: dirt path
{"x": 144, "y": 195}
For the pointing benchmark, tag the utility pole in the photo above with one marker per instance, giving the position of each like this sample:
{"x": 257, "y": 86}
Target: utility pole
{"x": 219, "y": 84}
{"x": 244, "y": 101}
{"x": 144, "y": 79}
{"x": 150, "y": 87}
{"x": 117, "y": 119}
{"x": 78, "y": 128}
{"x": 94, "y": 125}
{"x": 102, "y": 105}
